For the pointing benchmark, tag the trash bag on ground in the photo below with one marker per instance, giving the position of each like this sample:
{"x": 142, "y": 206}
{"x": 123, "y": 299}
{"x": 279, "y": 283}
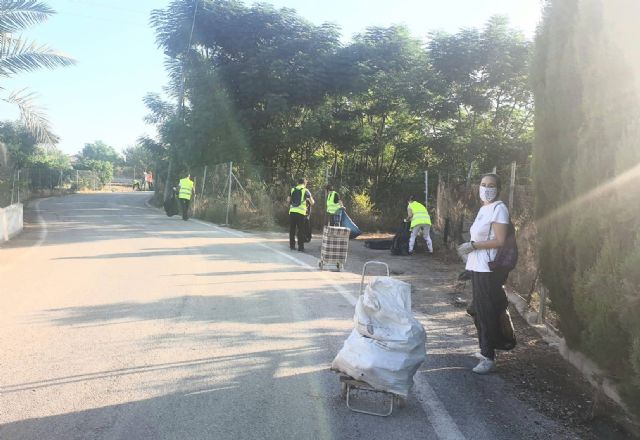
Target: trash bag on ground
{"x": 400, "y": 243}
{"x": 387, "y": 345}
{"x": 171, "y": 205}
{"x": 378, "y": 244}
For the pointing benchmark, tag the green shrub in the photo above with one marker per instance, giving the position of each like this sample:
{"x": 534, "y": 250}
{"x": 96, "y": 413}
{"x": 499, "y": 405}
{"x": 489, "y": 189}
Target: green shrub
{"x": 587, "y": 178}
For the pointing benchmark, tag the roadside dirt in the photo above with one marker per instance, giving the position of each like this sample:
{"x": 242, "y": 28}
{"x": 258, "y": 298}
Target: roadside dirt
{"x": 534, "y": 370}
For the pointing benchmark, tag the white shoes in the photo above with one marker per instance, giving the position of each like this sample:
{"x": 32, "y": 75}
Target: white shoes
{"x": 480, "y": 357}
{"x": 485, "y": 366}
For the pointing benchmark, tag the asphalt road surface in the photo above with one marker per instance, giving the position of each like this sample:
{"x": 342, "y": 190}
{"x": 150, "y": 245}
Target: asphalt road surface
{"x": 117, "y": 322}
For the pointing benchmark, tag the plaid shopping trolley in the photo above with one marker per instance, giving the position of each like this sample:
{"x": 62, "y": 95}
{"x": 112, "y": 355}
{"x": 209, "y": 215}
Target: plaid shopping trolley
{"x": 335, "y": 242}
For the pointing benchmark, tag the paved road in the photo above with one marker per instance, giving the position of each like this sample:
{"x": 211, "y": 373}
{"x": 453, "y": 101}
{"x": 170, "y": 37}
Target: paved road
{"x": 120, "y": 323}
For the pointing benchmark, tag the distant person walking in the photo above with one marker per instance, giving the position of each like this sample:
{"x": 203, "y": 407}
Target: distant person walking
{"x": 298, "y": 199}
{"x": 186, "y": 190}
{"x": 418, "y": 215}
{"x": 488, "y": 234}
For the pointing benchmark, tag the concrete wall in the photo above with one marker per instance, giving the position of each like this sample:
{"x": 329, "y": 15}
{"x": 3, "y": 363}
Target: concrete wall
{"x": 11, "y": 222}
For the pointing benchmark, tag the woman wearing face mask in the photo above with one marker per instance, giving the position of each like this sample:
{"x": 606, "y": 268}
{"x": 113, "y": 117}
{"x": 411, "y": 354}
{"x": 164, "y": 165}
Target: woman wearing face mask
{"x": 488, "y": 233}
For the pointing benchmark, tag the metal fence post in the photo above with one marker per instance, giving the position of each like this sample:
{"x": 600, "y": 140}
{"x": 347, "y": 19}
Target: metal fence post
{"x": 512, "y": 186}
{"x": 18, "y": 186}
{"x": 204, "y": 179}
{"x": 426, "y": 189}
{"x": 13, "y": 185}
{"x": 229, "y": 192}
{"x": 439, "y": 202}
{"x": 543, "y": 304}
{"x": 469, "y": 173}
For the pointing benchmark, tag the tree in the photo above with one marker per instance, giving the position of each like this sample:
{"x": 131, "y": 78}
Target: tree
{"x": 139, "y": 157}
{"x": 102, "y": 168}
{"x": 51, "y": 158}
{"x": 587, "y": 157}
{"x": 19, "y": 142}
{"x": 256, "y": 88}
{"x": 98, "y": 150}
{"x": 282, "y": 98}
{"x": 99, "y": 158}
{"x": 18, "y": 55}
{"x": 486, "y": 117}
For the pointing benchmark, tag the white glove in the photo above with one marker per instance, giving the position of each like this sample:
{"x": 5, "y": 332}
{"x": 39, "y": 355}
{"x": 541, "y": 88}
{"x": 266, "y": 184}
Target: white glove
{"x": 465, "y": 249}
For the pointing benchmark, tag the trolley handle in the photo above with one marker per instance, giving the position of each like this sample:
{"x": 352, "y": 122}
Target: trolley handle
{"x": 364, "y": 271}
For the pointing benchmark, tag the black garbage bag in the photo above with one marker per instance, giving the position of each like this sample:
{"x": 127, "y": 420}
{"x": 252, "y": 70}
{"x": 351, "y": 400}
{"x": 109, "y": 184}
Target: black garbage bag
{"x": 171, "y": 205}
{"x": 400, "y": 243}
{"x": 378, "y": 244}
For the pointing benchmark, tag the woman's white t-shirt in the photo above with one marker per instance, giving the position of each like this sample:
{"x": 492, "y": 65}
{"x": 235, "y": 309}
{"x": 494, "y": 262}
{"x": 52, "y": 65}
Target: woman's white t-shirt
{"x": 481, "y": 230}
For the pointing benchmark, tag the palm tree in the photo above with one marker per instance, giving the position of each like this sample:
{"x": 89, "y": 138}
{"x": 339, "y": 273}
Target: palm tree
{"x": 18, "y": 55}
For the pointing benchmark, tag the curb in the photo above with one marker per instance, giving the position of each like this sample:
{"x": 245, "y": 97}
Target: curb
{"x": 590, "y": 371}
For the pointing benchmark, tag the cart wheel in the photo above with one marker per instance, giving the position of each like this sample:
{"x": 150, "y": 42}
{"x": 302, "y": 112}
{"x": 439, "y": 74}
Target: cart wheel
{"x": 400, "y": 402}
{"x": 320, "y": 264}
{"x": 343, "y": 391}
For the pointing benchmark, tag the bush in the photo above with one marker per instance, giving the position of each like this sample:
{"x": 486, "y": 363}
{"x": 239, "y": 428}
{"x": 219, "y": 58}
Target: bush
{"x": 586, "y": 162}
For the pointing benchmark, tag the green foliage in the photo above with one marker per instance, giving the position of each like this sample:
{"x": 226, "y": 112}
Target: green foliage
{"x": 139, "y": 156}
{"x": 587, "y": 157}
{"x": 18, "y": 141}
{"x": 362, "y": 205}
{"x": 265, "y": 88}
{"x": 101, "y": 152}
{"x": 102, "y": 168}
{"x": 50, "y": 158}
{"x": 17, "y": 55}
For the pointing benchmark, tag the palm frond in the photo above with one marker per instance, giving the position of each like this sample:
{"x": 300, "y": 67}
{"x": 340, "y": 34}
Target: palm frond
{"x": 32, "y": 116}
{"x": 16, "y": 15}
{"x": 19, "y": 55}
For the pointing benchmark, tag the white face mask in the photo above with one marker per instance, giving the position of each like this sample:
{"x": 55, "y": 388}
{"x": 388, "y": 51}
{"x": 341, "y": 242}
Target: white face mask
{"x": 488, "y": 194}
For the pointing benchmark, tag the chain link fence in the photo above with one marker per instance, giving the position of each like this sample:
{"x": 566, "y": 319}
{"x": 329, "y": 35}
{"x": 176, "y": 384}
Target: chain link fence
{"x": 21, "y": 185}
{"x": 235, "y": 194}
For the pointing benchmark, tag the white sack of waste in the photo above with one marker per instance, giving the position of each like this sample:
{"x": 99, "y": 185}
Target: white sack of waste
{"x": 387, "y": 346}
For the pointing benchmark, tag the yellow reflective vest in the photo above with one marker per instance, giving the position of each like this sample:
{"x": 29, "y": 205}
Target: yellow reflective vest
{"x": 186, "y": 188}
{"x": 332, "y": 207}
{"x": 420, "y": 214}
{"x": 302, "y": 207}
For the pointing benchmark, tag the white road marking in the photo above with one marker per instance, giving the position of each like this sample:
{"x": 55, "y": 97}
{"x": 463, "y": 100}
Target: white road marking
{"x": 441, "y": 421}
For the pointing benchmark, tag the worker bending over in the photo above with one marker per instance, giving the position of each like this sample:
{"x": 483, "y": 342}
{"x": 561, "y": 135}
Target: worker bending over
{"x": 418, "y": 215}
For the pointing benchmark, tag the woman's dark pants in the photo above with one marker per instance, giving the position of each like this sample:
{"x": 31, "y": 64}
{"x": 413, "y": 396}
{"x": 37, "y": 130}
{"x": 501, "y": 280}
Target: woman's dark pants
{"x": 489, "y": 301}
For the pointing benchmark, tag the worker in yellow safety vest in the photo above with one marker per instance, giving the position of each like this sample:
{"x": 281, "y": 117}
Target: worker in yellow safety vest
{"x": 334, "y": 205}
{"x": 418, "y": 215}
{"x": 298, "y": 199}
{"x": 186, "y": 190}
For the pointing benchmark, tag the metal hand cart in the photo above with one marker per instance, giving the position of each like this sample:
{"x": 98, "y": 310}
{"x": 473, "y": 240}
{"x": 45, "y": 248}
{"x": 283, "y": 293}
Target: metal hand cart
{"x": 348, "y": 383}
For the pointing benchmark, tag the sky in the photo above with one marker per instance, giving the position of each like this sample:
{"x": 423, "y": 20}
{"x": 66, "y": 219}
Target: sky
{"x": 118, "y": 61}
